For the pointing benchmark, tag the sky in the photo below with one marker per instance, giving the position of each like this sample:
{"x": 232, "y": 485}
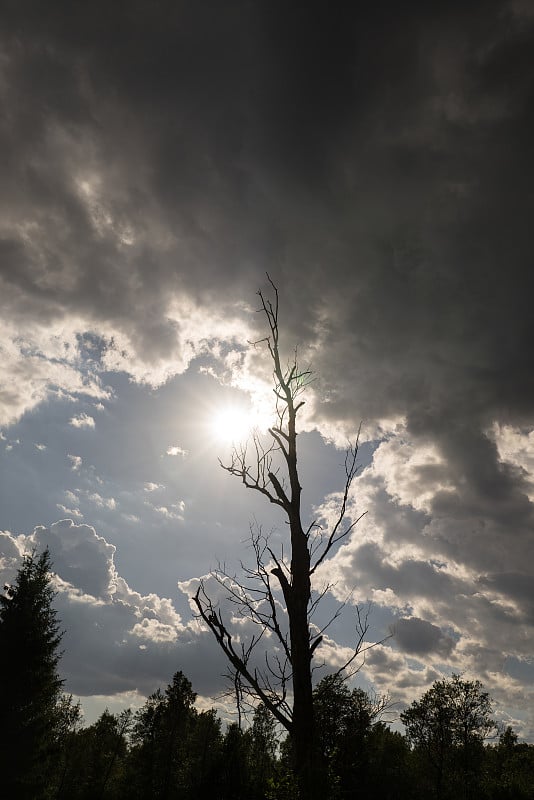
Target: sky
{"x": 158, "y": 158}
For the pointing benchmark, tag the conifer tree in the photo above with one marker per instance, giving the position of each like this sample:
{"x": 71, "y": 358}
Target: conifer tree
{"x": 30, "y": 693}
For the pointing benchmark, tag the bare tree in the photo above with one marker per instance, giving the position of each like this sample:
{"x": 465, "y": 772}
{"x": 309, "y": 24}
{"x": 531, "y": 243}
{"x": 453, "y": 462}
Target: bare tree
{"x": 282, "y": 609}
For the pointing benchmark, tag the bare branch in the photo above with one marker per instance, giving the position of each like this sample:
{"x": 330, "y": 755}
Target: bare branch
{"x": 351, "y": 468}
{"x": 359, "y": 649}
{"x": 260, "y": 478}
{"x": 213, "y": 619}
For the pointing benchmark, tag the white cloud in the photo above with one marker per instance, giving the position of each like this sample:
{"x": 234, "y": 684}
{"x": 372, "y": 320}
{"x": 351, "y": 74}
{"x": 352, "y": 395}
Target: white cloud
{"x": 412, "y": 473}
{"x": 152, "y": 487}
{"x": 175, "y": 450}
{"x": 174, "y": 511}
{"x": 92, "y": 705}
{"x": 155, "y": 630}
{"x": 11, "y": 550}
{"x": 81, "y": 557}
{"x": 75, "y": 462}
{"x": 42, "y": 363}
{"x": 71, "y": 512}
{"x": 83, "y": 420}
{"x": 102, "y": 502}
{"x": 130, "y": 518}
{"x": 516, "y": 447}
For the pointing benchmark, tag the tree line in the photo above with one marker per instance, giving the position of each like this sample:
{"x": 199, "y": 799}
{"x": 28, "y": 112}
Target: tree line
{"x": 169, "y": 750}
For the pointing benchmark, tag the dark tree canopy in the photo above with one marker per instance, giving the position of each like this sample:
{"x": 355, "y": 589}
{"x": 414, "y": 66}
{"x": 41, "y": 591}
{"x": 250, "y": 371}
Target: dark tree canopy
{"x": 31, "y": 700}
{"x": 160, "y": 734}
{"x": 345, "y": 720}
{"x": 447, "y": 726}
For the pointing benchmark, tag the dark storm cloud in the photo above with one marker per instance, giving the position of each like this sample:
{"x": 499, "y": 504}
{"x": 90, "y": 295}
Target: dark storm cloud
{"x": 142, "y": 100}
{"x": 410, "y": 577}
{"x": 517, "y": 586}
{"x": 368, "y": 150}
{"x": 419, "y": 637}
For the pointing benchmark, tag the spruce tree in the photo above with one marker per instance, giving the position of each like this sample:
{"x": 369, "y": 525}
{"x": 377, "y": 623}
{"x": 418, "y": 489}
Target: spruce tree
{"x": 30, "y": 687}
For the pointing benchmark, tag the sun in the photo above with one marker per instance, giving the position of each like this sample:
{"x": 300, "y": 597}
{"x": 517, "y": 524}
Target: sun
{"x": 234, "y": 424}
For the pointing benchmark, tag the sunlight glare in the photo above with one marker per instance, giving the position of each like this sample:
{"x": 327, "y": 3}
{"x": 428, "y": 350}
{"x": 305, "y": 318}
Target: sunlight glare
{"x": 235, "y": 424}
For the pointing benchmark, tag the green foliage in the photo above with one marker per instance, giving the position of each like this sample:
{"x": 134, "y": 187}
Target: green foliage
{"x": 32, "y": 707}
{"x": 283, "y": 786}
{"x": 447, "y": 727}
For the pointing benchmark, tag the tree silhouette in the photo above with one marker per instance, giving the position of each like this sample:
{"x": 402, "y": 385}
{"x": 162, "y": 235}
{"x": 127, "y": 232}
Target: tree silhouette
{"x": 99, "y": 761}
{"x": 204, "y": 755}
{"x": 448, "y": 726}
{"x": 345, "y": 720}
{"x": 160, "y": 737}
{"x": 281, "y": 609}
{"x": 31, "y": 701}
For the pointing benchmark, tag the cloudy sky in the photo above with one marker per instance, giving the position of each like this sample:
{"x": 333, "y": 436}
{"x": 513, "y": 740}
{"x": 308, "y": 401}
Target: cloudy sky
{"x": 157, "y": 159}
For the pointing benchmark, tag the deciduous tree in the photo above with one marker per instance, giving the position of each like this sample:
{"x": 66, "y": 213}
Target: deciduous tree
{"x": 344, "y": 720}
{"x": 448, "y": 726}
{"x": 160, "y": 739}
{"x": 263, "y": 749}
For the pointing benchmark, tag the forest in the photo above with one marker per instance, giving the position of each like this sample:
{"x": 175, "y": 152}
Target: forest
{"x": 452, "y": 746}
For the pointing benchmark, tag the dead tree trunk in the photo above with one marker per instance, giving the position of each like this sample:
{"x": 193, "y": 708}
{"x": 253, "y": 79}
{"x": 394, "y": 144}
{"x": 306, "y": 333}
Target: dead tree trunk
{"x": 284, "y": 685}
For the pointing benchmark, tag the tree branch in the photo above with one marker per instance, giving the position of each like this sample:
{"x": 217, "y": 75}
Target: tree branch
{"x": 351, "y": 468}
{"x": 213, "y": 619}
